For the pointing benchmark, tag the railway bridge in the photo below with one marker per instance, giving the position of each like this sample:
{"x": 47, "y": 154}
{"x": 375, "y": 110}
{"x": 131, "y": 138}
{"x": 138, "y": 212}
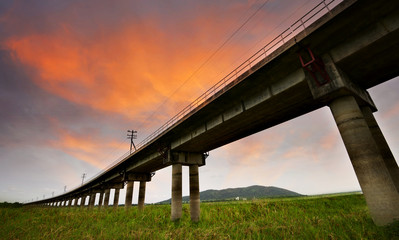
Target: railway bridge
{"x": 329, "y": 57}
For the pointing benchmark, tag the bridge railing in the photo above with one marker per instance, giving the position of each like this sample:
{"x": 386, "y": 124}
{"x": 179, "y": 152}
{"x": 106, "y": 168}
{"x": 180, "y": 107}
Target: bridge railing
{"x": 311, "y": 16}
{"x": 286, "y": 35}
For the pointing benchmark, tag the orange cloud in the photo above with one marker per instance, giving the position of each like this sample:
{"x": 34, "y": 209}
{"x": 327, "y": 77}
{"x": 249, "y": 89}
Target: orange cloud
{"x": 128, "y": 72}
{"x": 88, "y": 148}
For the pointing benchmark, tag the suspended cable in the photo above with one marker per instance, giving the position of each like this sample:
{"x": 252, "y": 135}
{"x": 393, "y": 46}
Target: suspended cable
{"x": 206, "y": 61}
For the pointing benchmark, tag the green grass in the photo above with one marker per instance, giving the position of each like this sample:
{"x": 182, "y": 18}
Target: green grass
{"x": 332, "y": 217}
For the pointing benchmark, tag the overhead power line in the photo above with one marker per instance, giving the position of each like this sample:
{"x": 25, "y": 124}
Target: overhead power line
{"x": 206, "y": 61}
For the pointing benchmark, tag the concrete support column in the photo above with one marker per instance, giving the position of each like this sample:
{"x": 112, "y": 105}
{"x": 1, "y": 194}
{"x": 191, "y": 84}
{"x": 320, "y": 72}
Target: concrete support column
{"x": 92, "y": 200}
{"x": 83, "y": 201}
{"x": 75, "y": 204}
{"x": 106, "y": 198}
{"x": 129, "y": 194}
{"x": 176, "y": 192}
{"x": 100, "y": 200}
{"x": 194, "y": 193}
{"x": 382, "y": 144}
{"x": 373, "y": 176}
{"x": 141, "y": 195}
{"x": 116, "y": 198}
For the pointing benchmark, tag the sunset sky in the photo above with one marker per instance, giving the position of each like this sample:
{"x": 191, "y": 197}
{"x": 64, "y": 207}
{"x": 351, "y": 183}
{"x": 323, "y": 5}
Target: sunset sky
{"x": 76, "y": 75}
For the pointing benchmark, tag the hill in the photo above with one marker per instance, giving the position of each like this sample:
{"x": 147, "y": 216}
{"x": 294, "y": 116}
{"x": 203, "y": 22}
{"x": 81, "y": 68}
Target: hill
{"x": 242, "y": 193}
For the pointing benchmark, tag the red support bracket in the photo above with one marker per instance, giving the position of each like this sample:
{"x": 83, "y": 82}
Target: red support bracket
{"x": 316, "y": 69}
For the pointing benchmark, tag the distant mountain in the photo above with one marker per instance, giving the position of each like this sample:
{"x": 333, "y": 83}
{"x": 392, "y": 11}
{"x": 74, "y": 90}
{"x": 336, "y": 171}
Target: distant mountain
{"x": 246, "y": 192}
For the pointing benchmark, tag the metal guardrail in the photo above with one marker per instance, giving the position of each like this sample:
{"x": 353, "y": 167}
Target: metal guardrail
{"x": 268, "y": 48}
{"x": 292, "y": 31}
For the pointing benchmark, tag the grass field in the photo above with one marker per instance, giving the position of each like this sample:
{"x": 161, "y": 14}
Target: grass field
{"x": 328, "y": 217}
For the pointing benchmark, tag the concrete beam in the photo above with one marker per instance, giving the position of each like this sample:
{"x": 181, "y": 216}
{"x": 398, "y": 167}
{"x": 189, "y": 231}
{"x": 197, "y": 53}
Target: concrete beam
{"x": 339, "y": 85}
{"x": 109, "y": 185}
{"x": 133, "y": 176}
{"x": 365, "y": 38}
{"x": 185, "y": 158}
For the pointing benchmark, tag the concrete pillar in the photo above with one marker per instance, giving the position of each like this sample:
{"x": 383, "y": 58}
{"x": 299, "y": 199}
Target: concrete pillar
{"x": 106, "y": 198}
{"x": 382, "y": 144}
{"x": 176, "y": 204}
{"x": 100, "y": 200}
{"x": 82, "y": 202}
{"x": 194, "y": 193}
{"x": 92, "y": 200}
{"x": 116, "y": 198}
{"x": 373, "y": 176}
{"x": 141, "y": 195}
{"x": 129, "y": 194}
{"x": 75, "y": 204}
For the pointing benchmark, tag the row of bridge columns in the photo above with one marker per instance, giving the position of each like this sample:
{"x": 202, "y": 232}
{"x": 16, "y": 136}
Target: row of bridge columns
{"x": 177, "y": 160}
{"x": 104, "y": 198}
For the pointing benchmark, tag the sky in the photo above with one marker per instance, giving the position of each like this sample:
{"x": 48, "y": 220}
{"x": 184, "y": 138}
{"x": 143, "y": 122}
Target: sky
{"x": 76, "y": 75}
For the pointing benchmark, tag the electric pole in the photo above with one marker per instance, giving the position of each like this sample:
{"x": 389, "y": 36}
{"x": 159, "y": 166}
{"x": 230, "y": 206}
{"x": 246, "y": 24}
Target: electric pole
{"x": 65, "y": 188}
{"x": 131, "y": 134}
{"x": 83, "y": 177}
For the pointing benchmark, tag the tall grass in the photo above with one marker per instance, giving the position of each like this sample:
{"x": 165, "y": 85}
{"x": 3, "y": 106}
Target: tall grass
{"x": 337, "y": 217}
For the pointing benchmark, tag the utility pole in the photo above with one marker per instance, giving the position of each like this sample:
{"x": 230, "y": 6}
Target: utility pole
{"x": 65, "y": 188}
{"x": 83, "y": 177}
{"x": 131, "y": 134}
{"x": 53, "y": 194}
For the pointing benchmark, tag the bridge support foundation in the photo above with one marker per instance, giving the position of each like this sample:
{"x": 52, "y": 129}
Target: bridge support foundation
{"x": 375, "y": 180}
{"x": 116, "y": 198}
{"x": 141, "y": 195}
{"x": 129, "y": 194}
{"x": 193, "y": 160}
{"x": 194, "y": 193}
{"x": 176, "y": 204}
{"x": 106, "y": 198}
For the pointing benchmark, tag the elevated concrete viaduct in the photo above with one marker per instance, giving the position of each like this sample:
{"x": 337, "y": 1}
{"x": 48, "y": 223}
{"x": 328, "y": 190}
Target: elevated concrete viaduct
{"x": 331, "y": 62}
